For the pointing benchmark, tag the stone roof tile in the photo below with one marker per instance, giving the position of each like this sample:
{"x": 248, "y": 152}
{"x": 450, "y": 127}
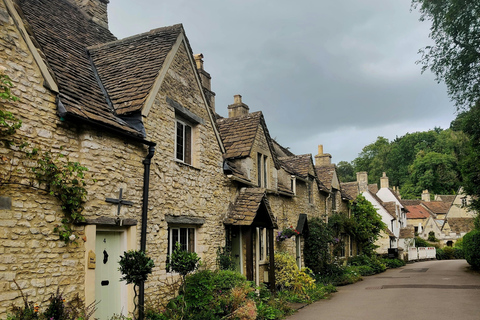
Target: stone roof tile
{"x": 325, "y": 175}
{"x": 63, "y": 33}
{"x": 407, "y": 232}
{"x": 129, "y": 67}
{"x": 350, "y": 189}
{"x": 461, "y": 225}
{"x": 244, "y": 211}
{"x": 437, "y": 207}
{"x": 300, "y": 165}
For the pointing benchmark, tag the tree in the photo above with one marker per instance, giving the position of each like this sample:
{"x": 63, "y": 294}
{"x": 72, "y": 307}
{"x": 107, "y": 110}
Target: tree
{"x": 373, "y": 159}
{"x": 367, "y": 226}
{"x": 346, "y": 171}
{"x": 455, "y": 55}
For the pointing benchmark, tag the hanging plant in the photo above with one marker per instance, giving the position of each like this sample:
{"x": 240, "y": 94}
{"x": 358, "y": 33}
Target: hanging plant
{"x": 287, "y": 233}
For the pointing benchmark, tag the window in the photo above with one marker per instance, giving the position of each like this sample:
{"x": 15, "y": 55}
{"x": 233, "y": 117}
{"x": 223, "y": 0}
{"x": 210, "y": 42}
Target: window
{"x": 293, "y": 186}
{"x": 334, "y": 200}
{"x": 464, "y": 202}
{"x": 183, "y": 142}
{"x": 263, "y": 248}
{"x": 343, "y": 248}
{"x": 262, "y": 172}
{"x": 184, "y": 236}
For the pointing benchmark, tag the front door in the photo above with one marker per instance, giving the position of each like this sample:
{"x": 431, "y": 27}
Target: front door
{"x": 110, "y": 293}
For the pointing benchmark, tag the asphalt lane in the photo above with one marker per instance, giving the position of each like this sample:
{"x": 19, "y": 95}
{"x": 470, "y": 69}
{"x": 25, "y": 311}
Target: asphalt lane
{"x": 428, "y": 290}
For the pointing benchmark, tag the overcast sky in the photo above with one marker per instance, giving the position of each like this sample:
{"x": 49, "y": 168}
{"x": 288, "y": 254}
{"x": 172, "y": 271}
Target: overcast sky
{"x": 337, "y": 73}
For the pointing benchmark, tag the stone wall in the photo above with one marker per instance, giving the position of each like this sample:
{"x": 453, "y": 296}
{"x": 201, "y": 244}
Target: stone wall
{"x": 31, "y": 253}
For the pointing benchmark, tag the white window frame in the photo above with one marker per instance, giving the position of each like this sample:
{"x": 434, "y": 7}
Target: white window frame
{"x": 185, "y": 147}
{"x": 177, "y": 228}
{"x": 262, "y": 245}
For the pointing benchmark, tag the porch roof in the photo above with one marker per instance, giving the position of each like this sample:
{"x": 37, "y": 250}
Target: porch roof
{"x": 248, "y": 208}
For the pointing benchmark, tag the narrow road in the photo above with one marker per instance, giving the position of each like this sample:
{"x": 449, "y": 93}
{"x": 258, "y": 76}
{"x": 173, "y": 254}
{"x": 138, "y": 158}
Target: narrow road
{"x": 435, "y": 290}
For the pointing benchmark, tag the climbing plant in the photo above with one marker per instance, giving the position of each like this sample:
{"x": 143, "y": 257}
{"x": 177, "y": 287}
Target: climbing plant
{"x": 65, "y": 180}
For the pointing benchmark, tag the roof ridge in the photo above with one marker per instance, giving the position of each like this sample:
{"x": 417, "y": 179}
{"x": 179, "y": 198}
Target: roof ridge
{"x": 135, "y": 37}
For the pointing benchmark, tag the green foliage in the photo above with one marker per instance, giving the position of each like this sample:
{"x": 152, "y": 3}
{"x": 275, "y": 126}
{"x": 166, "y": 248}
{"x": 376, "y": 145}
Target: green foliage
{"x": 471, "y": 248}
{"x": 316, "y": 248}
{"x": 289, "y": 277}
{"x": 66, "y": 181}
{"x": 431, "y": 237}
{"x": 367, "y": 227}
{"x": 393, "y": 263}
{"x": 346, "y": 172}
{"x": 448, "y": 253}
{"x": 469, "y": 123}
{"x": 422, "y": 243}
{"x": 373, "y": 262}
{"x": 225, "y": 260}
{"x": 207, "y": 295}
{"x": 455, "y": 55}
{"x": 182, "y": 261}
{"x": 135, "y": 266}
{"x": 8, "y": 122}
{"x": 57, "y": 309}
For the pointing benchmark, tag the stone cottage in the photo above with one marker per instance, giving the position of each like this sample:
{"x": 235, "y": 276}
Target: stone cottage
{"x": 135, "y": 113}
{"x": 272, "y": 188}
{"x": 337, "y": 199}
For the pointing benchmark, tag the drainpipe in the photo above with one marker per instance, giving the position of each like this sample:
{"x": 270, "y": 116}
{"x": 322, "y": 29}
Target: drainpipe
{"x": 143, "y": 234}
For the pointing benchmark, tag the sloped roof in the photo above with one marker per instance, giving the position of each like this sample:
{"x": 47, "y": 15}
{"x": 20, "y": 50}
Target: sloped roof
{"x": 373, "y": 188}
{"x": 437, "y": 207}
{"x": 350, "y": 189}
{"x": 417, "y": 212}
{"x": 408, "y": 232}
{"x": 391, "y": 207}
{"x": 408, "y": 202}
{"x": 446, "y": 197}
{"x": 298, "y": 164}
{"x": 461, "y": 225}
{"x": 281, "y": 150}
{"x": 325, "y": 175}
{"x": 129, "y": 67}
{"x": 246, "y": 207}
{"x": 63, "y": 33}
{"x": 229, "y": 167}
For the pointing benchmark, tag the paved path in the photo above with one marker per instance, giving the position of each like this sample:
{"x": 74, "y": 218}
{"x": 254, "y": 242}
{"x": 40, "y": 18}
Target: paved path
{"x": 435, "y": 290}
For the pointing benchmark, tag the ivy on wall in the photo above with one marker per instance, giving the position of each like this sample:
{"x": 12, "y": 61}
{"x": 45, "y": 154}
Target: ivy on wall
{"x": 65, "y": 180}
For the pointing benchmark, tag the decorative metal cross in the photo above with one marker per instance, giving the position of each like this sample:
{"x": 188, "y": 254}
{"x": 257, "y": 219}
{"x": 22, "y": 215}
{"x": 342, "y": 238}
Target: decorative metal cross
{"x": 119, "y": 201}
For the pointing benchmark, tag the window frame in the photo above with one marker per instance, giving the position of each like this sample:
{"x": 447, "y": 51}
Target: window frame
{"x": 262, "y": 170}
{"x": 187, "y": 141}
{"x": 262, "y": 245}
{"x": 190, "y": 230}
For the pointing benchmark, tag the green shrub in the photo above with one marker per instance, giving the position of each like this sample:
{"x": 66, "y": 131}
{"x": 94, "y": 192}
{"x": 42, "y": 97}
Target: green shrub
{"x": 421, "y": 243}
{"x": 471, "y": 248}
{"x": 373, "y": 262}
{"x": 393, "y": 263}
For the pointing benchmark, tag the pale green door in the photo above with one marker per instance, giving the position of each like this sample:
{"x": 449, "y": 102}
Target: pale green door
{"x": 109, "y": 291}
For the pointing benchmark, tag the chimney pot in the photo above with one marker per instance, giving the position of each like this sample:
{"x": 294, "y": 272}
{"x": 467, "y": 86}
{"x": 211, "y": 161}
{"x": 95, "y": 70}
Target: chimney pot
{"x": 362, "y": 179}
{"x": 384, "y": 181}
{"x": 322, "y": 159}
{"x": 238, "y": 108}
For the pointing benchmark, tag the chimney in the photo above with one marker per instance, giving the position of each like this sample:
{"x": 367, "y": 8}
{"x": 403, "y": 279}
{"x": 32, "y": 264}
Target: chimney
{"x": 362, "y": 179}
{"x": 205, "y": 79}
{"x": 322, "y": 159}
{"x": 384, "y": 181}
{"x": 96, "y": 10}
{"x": 425, "y": 195}
{"x": 238, "y": 108}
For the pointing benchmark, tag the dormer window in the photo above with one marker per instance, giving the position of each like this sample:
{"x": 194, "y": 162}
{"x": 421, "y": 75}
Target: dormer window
{"x": 262, "y": 173}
